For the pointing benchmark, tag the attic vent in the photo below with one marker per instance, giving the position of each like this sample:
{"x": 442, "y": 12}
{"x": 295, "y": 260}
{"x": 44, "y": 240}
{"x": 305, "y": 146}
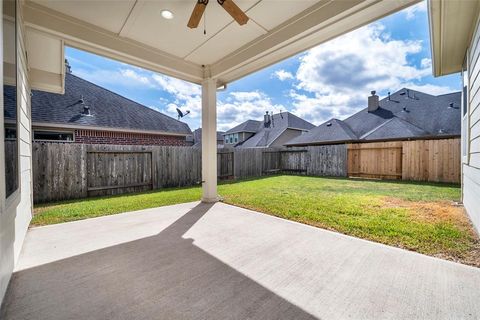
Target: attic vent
{"x": 441, "y": 131}
{"x": 405, "y": 109}
{"x": 329, "y": 124}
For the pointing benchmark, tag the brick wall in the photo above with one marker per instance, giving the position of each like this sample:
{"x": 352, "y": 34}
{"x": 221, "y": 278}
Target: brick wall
{"x": 126, "y": 138}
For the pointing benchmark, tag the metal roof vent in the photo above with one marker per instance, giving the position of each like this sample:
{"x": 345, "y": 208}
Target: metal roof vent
{"x": 329, "y": 124}
{"x": 452, "y": 105}
{"x": 405, "y": 109}
{"x": 86, "y": 110}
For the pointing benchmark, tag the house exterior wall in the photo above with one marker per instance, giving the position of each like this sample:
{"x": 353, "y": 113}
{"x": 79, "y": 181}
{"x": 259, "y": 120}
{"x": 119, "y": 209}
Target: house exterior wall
{"x": 16, "y": 211}
{"x": 286, "y": 136}
{"x": 127, "y": 138}
{"x": 471, "y": 132}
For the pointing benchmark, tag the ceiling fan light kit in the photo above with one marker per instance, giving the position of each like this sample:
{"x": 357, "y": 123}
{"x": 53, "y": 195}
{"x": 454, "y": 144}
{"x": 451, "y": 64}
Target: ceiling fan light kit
{"x": 229, "y": 6}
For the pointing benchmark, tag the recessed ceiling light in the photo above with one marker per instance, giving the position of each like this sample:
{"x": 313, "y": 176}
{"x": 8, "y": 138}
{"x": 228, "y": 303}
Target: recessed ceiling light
{"x": 167, "y": 14}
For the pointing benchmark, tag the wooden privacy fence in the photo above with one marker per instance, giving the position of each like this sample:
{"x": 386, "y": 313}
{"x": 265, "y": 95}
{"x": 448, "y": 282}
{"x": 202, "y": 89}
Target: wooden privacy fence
{"x": 64, "y": 171}
{"x": 328, "y": 160}
{"x": 418, "y": 160}
{"x": 381, "y": 160}
{"x": 67, "y": 171}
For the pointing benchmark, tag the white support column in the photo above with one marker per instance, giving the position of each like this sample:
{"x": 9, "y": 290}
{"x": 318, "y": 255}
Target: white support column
{"x": 209, "y": 140}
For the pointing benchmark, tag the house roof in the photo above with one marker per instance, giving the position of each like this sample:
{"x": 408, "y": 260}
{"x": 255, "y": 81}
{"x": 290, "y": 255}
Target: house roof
{"x": 264, "y": 137}
{"x": 332, "y": 130}
{"x": 247, "y": 126}
{"x": 196, "y": 137}
{"x": 108, "y": 109}
{"x": 407, "y": 114}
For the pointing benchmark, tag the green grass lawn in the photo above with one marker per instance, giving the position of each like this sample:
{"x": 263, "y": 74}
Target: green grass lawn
{"x": 415, "y": 216}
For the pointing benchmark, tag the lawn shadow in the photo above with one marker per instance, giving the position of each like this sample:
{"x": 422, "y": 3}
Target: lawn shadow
{"x": 159, "y": 277}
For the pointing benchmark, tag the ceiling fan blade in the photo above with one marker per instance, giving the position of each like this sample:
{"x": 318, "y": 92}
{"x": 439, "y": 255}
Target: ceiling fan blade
{"x": 197, "y": 14}
{"x": 234, "y": 11}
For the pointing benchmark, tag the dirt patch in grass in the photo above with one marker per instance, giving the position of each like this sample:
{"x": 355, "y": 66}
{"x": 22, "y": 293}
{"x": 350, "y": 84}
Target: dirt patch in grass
{"x": 431, "y": 211}
{"x": 448, "y": 212}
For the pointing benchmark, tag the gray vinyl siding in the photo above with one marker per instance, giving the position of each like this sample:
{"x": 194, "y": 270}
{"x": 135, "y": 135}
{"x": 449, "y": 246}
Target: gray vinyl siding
{"x": 471, "y": 165}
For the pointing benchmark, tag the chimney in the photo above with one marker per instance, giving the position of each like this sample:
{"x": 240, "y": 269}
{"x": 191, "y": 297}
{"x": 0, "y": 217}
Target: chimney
{"x": 68, "y": 69}
{"x": 373, "y": 102}
{"x": 266, "y": 120}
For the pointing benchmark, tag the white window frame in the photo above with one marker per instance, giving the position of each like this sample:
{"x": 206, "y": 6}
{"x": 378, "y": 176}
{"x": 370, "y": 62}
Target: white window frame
{"x": 53, "y": 130}
{"x": 466, "y": 110}
{"x": 8, "y": 203}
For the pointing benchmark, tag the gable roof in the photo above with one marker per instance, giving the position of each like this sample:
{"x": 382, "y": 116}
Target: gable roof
{"x": 407, "y": 114}
{"x": 251, "y": 126}
{"x": 394, "y": 128}
{"x": 332, "y": 130}
{"x": 108, "y": 109}
{"x": 264, "y": 137}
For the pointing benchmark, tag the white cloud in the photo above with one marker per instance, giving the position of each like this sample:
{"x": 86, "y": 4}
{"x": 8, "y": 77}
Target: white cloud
{"x": 187, "y": 96}
{"x": 429, "y": 88}
{"x": 335, "y": 78}
{"x": 242, "y": 106}
{"x": 426, "y": 63}
{"x": 247, "y": 96}
{"x": 237, "y": 107}
{"x": 282, "y": 75}
{"x": 136, "y": 77}
{"x": 126, "y": 77}
{"x": 411, "y": 12}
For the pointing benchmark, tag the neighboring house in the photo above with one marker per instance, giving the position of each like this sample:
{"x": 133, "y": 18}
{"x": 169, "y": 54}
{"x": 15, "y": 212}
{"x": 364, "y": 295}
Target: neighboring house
{"x": 90, "y": 114}
{"x": 455, "y": 43}
{"x": 195, "y": 139}
{"x": 274, "y": 131}
{"x": 242, "y": 132}
{"x": 405, "y": 115}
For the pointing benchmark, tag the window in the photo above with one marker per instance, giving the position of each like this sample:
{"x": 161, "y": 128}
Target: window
{"x": 10, "y": 108}
{"x": 53, "y": 136}
{"x": 235, "y": 138}
{"x": 465, "y": 111}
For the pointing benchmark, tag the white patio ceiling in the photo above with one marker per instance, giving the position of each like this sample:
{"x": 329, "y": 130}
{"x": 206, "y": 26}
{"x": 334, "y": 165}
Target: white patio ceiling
{"x": 134, "y": 31}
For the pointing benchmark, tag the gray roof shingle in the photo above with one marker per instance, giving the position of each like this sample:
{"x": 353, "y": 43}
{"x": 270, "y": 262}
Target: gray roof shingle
{"x": 281, "y": 121}
{"x": 332, "y": 130}
{"x": 247, "y": 126}
{"x": 407, "y": 114}
{"x": 108, "y": 109}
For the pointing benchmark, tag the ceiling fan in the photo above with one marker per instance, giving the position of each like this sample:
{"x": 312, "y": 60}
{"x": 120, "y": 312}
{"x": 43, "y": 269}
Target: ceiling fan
{"x": 228, "y": 5}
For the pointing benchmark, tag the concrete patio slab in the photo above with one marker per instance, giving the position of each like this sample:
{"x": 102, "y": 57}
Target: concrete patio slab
{"x": 199, "y": 261}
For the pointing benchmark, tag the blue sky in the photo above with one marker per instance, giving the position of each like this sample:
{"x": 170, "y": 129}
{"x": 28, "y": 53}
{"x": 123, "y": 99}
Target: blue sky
{"x": 332, "y": 80}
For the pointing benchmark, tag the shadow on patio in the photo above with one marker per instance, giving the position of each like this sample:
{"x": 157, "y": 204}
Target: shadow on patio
{"x": 158, "y": 277}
